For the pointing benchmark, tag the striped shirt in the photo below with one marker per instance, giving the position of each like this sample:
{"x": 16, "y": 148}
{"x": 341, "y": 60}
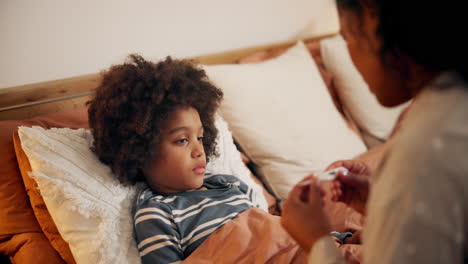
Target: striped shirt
{"x": 170, "y": 226}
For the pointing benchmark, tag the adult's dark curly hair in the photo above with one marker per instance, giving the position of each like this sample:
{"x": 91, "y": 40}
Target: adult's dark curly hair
{"x": 131, "y": 104}
{"x": 428, "y": 31}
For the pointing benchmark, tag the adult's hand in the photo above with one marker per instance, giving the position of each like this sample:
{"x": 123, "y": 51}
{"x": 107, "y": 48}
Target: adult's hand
{"x": 351, "y": 188}
{"x": 302, "y": 214}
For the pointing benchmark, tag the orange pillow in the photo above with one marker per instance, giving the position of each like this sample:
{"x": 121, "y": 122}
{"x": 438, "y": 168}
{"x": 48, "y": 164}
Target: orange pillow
{"x": 40, "y": 209}
{"x": 30, "y": 247}
{"x": 19, "y": 229}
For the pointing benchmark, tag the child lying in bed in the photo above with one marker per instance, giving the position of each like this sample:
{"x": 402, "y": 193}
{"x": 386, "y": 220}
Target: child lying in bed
{"x": 155, "y": 123}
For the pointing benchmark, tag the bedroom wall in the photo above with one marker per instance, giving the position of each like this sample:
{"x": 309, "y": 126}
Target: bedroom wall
{"x": 53, "y": 39}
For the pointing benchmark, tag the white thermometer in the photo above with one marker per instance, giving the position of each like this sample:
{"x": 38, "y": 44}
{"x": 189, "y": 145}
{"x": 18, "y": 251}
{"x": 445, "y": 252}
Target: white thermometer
{"x": 327, "y": 175}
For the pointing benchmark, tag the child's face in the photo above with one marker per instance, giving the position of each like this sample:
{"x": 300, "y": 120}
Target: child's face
{"x": 180, "y": 162}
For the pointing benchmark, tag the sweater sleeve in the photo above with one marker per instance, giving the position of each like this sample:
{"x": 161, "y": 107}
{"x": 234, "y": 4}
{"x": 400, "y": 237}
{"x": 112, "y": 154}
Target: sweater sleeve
{"x": 416, "y": 210}
{"x": 420, "y": 219}
{"x": 156, "y": 234}
{"x": 325, "y": 251}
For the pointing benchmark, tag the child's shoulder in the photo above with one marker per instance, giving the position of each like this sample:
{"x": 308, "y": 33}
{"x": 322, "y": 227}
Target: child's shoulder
{"x": 145, "y": 194}
{"x": 148, "y": 198}
{"x": 147, "y": 203}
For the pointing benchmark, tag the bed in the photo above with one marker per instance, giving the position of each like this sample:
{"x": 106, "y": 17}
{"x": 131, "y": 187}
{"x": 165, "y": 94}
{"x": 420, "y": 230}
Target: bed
{"x": 292, "y": 108}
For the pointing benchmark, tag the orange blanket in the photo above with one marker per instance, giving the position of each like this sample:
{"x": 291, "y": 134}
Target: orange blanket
{"x": 253, "y": 237}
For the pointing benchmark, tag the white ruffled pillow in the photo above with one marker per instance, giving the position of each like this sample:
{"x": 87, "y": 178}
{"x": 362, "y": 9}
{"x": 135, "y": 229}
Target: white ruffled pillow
{"x": 282, "y": 115}
{"x": 91, "y": 209}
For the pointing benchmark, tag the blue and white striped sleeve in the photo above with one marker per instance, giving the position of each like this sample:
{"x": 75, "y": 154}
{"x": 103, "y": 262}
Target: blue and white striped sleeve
{"x": 156, "y": 234}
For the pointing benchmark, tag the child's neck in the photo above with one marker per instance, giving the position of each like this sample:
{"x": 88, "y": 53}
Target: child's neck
{"x": 201, "y": 188}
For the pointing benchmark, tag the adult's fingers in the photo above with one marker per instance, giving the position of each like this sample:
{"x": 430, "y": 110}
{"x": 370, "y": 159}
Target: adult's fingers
{"x": 358, "y": 167}
{"x": 350, "y": 179}
{"x": 314, "y": 191}
{"x": 305, "y": 180}
{"x": 353, "y": 166}
{"x": 337, "y": 194}
{"x": 336, "y": 164}
{"x": 295, "y": 193}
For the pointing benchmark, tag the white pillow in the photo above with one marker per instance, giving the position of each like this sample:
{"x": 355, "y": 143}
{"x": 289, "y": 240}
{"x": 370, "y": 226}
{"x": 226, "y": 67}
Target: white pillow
{"x": 91, "y": 209}
{"x": 371, "y": 117}
{"x": 282, "y": 115}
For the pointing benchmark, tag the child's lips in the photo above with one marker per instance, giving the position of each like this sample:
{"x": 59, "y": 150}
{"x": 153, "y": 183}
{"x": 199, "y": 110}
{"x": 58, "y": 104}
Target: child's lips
{"x": 199, "y": 170}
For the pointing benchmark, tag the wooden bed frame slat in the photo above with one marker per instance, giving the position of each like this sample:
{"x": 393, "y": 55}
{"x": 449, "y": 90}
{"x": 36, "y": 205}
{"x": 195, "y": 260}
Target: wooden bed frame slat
{"x": 27, "y": 101}
{"x": 43, "y": 108}
{"x": 25, "y": 94}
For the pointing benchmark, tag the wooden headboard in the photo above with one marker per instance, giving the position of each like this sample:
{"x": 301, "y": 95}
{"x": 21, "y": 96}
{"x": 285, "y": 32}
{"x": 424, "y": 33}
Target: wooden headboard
{"x": 27, "y": 101}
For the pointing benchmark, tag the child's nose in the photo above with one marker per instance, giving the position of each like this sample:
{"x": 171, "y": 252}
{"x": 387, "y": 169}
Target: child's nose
{"x": 198, "y": 150}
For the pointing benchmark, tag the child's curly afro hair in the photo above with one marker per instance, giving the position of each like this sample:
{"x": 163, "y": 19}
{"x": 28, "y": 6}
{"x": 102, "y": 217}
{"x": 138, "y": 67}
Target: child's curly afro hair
{"x": 131, "y": 104}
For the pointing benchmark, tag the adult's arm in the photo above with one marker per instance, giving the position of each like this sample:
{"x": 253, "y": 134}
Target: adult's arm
{"x": 416, "y": 207}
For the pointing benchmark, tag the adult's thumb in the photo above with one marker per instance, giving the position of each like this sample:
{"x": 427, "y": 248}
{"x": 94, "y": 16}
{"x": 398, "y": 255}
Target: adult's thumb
{"x": 314, "y": 191}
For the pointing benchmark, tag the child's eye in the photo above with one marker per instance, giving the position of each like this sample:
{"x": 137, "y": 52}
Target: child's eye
{"x": 181, "y": 141}
{"x": 200, "y": 138}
